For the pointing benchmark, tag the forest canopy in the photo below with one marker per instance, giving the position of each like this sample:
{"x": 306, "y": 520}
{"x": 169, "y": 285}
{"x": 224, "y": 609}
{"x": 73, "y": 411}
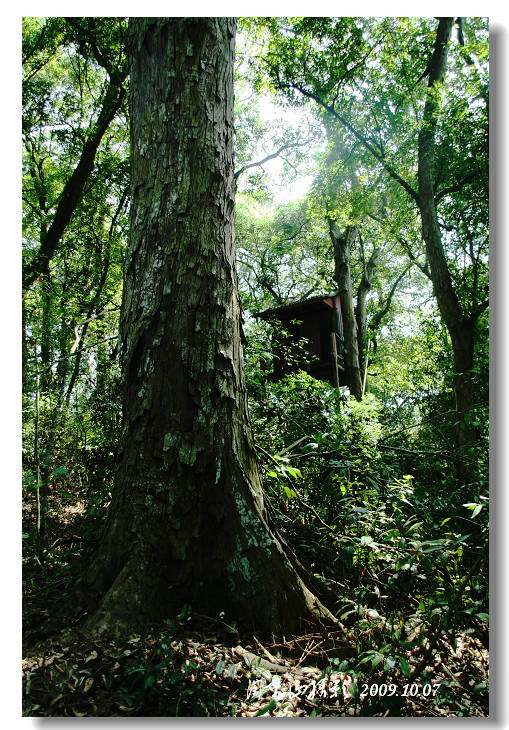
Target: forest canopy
{"x": 255, "y": 350}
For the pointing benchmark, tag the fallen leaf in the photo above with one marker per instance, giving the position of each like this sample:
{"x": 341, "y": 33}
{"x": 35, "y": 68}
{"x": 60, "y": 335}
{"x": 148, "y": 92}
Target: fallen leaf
{"x": 88, "y": 685}
{"x": 124, "y": 709}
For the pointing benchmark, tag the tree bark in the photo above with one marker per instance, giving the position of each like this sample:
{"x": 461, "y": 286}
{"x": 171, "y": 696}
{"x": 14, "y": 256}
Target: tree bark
{"x": 187, "y": 522}
{"x": 342, "y": 241}
{"x": 459, "y": 326}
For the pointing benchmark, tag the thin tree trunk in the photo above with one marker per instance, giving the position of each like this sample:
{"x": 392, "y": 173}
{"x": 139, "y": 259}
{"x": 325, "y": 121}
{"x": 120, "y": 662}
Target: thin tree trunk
{"x": 36, "y": 457}
{"x": 46, "y": 334}
{"x": 77, "y": 363}
{"x": 363, "y": 290}
{"x": 43, "y": 480}
{"x": 467, "y": 434}
{"x": 24, "y": 347}
{"x": 342, "y": 242}
{"x": 187, "y": 522}
{"x": 95, "y": 302}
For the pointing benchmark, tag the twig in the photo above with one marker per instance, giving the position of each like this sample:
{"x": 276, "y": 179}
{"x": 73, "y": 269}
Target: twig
{"x": 309, "y": 651}
{"x": 451, "y": 675}
{"x": 289, "y": 448}
{"x": 304, "y": 653}
{"x": 264, "y": 650}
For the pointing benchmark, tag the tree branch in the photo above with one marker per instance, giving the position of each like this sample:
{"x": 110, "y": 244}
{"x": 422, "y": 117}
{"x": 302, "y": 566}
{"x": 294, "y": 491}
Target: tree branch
{"x": 272, "y": 156}
{"x": 454, "y": 188}
{"x": 73, "y": 189}
{"x": 377, "y": 319}
{"x": 358, "y": 135}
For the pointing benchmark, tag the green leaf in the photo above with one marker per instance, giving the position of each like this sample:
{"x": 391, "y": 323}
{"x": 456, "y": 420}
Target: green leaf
{"x": 480, "y": 687}
{"x": 60, "y": 470}
{"x": 290, "y": 493}
{"x": 271, "y": 706}
{"x": 348, "y": 554}
{"x": 353, "y": 689}
{"x": 366, "y": 540}
{"x": 405, "y": 667}
{"x": 296, "y": 473}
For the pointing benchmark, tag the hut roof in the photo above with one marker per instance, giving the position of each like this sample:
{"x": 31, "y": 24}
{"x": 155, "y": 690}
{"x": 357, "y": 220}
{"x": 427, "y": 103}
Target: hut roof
{"x": 287, "y": 310}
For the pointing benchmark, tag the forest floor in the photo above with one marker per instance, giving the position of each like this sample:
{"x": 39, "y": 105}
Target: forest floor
{"x": 201, "y": 666}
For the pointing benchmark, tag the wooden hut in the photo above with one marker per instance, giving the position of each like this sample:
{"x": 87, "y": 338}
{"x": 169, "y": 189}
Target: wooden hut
{"x": 317, "y": 325}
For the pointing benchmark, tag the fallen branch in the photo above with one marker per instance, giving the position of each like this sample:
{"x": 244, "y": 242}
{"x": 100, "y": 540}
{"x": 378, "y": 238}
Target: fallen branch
{"x": 252, "y": 660}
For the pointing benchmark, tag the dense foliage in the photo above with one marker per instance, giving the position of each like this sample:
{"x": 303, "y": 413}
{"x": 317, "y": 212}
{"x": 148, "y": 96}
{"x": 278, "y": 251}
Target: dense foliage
{"x": 382, "y": 499}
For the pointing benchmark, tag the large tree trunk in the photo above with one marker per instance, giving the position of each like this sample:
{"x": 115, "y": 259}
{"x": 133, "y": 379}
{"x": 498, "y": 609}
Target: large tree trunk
{"x": 187, "y": 523}
{"x": 342, "y": 241}
{"x": 460, "y": 327}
